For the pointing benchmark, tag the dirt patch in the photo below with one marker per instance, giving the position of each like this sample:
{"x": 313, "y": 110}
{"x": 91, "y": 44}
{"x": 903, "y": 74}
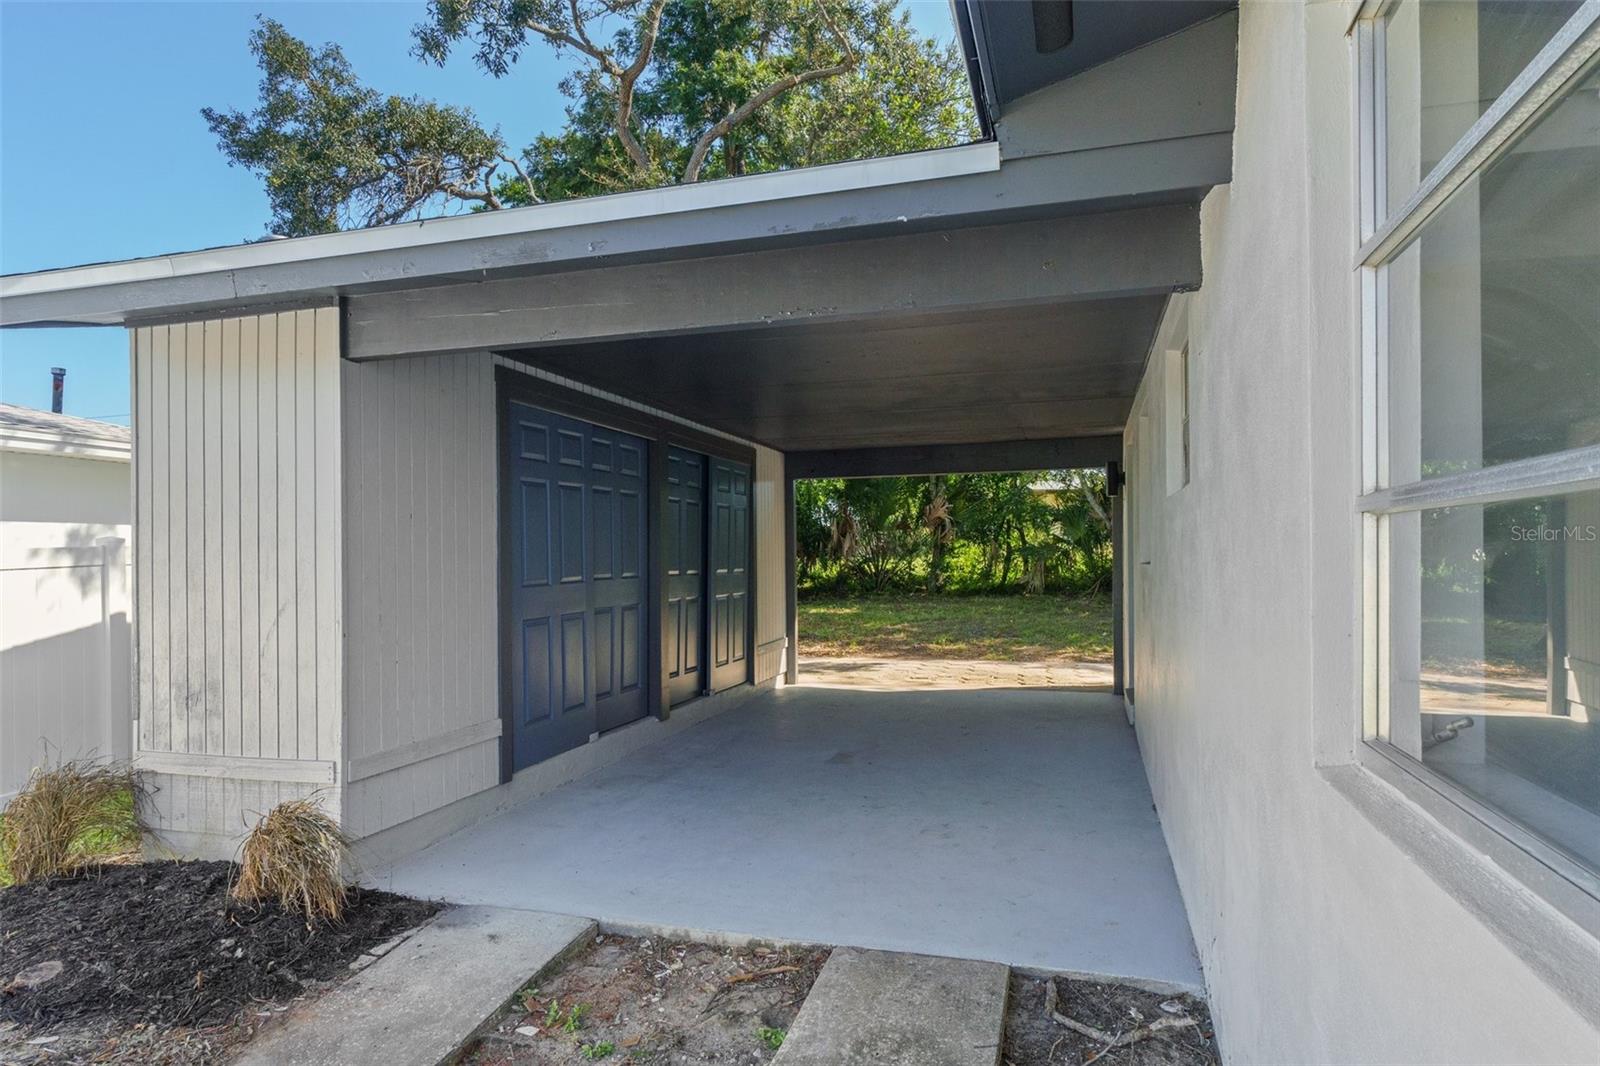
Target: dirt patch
{"x": 898, "y": 675}
{"x": 651, "y": 1001}
{"x": 156, "y": 956}
{"x": 1034, "y": 1038}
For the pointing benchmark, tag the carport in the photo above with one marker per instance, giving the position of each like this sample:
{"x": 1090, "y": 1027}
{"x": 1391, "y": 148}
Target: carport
{"x": 352, "y": 400}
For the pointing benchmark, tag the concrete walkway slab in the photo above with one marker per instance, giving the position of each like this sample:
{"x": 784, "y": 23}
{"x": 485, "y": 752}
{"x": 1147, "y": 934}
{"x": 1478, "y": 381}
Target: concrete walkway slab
{"x": 419, "y": 1003}
{"x": 881, "y": 1008}
{"x": 1013, "y": 825}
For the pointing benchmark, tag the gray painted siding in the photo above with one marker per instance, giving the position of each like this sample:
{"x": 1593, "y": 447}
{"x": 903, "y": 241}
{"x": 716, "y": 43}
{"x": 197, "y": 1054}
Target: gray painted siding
{"x": 767, "y": 503}
{"x": 237, "y": 571}
{"x": 420, "y": 544}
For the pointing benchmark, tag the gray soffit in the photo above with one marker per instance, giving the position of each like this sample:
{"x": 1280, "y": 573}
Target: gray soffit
{"x": 1007, "y": 40}
{"x": 1041, "y": 372}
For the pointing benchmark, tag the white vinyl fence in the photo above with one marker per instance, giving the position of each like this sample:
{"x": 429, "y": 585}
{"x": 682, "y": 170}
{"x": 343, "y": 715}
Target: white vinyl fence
{"x": 64, "y": 657}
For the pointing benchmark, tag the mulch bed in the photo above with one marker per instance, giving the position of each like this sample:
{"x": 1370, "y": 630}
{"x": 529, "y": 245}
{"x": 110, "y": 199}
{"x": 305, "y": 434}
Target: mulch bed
{"x": 1034, "y": 1038}
{"x": 162, "y": 943}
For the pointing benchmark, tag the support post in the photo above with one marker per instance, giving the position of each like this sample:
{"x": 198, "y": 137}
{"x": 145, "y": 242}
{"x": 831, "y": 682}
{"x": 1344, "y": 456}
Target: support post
{"x": 791, "y": 605}
{"x": 1118, "y": 637}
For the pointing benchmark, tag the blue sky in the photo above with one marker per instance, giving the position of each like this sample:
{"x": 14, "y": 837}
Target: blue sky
{"x": 104, "y": 155}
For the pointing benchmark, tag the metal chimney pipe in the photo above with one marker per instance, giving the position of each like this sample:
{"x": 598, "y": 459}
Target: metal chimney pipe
{"x": 58, "y": 385}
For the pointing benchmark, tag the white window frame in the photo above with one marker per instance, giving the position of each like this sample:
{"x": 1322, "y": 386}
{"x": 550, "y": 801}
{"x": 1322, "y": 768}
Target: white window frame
{"x": 1384, "y": 234}
{"x": 1175, "y": 385}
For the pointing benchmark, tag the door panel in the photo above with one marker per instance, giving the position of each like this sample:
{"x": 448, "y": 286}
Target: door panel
{"x": 685, "y": 576}
{"x": 730, "y": 572}
{"x": 616, "y": 568}
{"x": 577, "y": 599}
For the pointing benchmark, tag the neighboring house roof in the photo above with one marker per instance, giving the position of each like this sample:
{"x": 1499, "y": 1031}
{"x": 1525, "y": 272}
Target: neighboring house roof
{"x": 24, "y": 429}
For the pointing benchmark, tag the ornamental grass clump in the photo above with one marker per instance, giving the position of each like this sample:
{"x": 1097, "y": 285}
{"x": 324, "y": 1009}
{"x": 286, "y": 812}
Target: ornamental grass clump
{"x": 69, "y": 817}
{"x": 296, "y": 855}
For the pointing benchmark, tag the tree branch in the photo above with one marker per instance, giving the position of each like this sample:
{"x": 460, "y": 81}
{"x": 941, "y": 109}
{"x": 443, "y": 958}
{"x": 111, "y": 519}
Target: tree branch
{"x": 533, "y": 193}
{"x": 626, "y": 79}
{"x": 484, "y": 195}
{"x": 578, "y": 27}
{"x": 697, "y": 158}
{"x": 599, "y": 55}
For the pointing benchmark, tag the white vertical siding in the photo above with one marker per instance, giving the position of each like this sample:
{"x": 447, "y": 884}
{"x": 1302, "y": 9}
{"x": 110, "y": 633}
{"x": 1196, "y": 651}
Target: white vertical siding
{"x": 771, "y": 562}
{"x": 421, "y": 649}
{"x": 238, "y": 575}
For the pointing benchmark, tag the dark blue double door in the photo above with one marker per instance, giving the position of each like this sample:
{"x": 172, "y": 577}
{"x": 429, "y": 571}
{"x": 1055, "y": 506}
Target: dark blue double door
{"x": 706, "y": 585}
{"x": 578, "y": 524}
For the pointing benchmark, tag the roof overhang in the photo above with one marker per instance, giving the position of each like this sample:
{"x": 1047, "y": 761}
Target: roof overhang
{"x": 1119, "y": 125}
{"x": 924, "y": 192}
{"x": 545, "y": 237}
{"x": 993, "y": 293}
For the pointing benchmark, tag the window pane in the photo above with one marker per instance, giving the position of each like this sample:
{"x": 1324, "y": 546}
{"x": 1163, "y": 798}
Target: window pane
{"x": 1494, "y": 310}
{"x": 1496, "y": 649}
{"x": 1445, "y": 62}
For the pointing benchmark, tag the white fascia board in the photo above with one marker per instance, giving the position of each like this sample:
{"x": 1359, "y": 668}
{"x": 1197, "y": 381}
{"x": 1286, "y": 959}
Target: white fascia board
{"x": 932, "y": 165}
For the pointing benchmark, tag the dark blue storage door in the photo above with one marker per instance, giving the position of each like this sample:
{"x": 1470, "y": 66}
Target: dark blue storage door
{"x": 617, "y": 590}
{"x": 684, "y": 550}
{"x": 730, "y": 572}
{"x": 576, "y": 603}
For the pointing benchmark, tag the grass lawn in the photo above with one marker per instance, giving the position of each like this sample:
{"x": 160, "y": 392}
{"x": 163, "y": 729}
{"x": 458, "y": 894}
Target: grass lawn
{"x": 999, "y": 628}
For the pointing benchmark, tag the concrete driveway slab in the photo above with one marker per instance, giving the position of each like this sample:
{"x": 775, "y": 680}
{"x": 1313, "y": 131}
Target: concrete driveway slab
{"x": 1013, "y": 825}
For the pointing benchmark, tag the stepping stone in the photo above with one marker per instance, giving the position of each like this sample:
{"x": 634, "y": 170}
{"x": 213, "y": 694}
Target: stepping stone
{"x": 427, "y": 996}
{"x": 884, "y": 1008}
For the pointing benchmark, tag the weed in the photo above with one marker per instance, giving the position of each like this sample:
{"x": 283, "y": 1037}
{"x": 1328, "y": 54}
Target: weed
{"x": 773, "y": 1038}
{"x": 68, "y": 817}
{"x": 574, "y": 1020}
{"x": 296, "y": 855}
{"x": 553, "y": 1015}
{"x": 598, "y": 1050}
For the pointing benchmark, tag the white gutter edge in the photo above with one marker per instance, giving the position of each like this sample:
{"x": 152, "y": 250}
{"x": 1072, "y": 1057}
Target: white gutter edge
{"x": 977, "y": 158}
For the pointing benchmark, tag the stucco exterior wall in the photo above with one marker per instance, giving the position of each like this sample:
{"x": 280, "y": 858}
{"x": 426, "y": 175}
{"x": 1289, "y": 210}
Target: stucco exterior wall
{"x": 1322, "y": 936}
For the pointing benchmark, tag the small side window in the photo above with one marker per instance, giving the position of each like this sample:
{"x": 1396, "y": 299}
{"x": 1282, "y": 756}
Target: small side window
{"x": 1177, "y": 418}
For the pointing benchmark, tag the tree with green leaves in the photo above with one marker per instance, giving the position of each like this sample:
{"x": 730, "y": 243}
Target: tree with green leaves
{"x": 665, "y": 91}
